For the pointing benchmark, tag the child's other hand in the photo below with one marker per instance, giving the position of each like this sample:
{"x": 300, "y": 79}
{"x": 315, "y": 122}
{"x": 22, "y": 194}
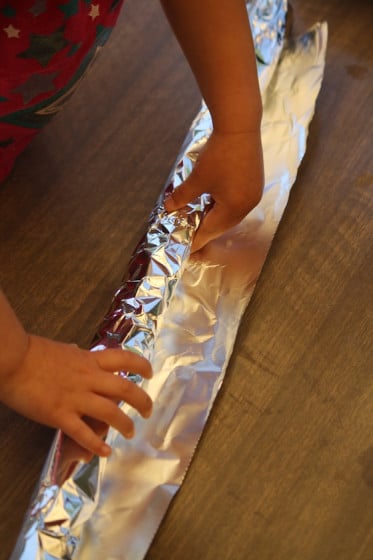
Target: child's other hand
{"x": 230, "y": 168}
{"x": 59, "y": 384}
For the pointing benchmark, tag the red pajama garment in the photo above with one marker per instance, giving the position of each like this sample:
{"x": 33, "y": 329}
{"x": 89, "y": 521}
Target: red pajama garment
{"x": 45, "y": 48}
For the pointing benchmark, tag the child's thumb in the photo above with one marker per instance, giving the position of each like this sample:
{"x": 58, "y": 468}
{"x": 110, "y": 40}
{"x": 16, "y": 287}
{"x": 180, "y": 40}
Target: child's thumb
{"x": 182, "y": 195}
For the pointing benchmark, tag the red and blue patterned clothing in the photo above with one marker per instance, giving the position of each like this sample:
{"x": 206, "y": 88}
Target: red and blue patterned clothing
{"x": 45, "y": 48}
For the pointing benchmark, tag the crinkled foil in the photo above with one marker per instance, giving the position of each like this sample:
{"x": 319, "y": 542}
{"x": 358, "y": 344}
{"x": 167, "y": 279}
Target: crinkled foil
{"x": 184, "y": 314}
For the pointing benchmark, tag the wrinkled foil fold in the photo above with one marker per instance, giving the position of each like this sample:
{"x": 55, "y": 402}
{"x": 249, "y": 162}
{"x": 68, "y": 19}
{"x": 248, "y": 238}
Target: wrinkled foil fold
{"x": 183, "y": 313}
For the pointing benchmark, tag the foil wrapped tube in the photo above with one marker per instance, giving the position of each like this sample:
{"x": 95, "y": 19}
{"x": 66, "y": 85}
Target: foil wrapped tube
{"x": 183, "y": 313}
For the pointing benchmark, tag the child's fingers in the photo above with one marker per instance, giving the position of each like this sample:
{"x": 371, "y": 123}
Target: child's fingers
{"x": 123, "y": 360}
{"x": 73, "y": 451}
{"x": 182, "y": 195}
{"x": 120, "y": 389}
{"x": 100, "y": 428}
{"x": 77, "y": 429}
{"x": 108, "y": 412}
{"x": 216, "y": 221}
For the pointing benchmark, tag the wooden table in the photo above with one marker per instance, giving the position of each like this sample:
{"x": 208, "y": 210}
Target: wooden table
{"x": 284, "y": 470}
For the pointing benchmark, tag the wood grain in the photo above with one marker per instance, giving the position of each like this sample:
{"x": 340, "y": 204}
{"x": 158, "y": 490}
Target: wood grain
{"x": 284, "y": 470}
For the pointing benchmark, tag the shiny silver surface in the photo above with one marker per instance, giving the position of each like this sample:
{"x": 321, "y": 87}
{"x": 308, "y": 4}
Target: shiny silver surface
{"x": 183, "y": 314}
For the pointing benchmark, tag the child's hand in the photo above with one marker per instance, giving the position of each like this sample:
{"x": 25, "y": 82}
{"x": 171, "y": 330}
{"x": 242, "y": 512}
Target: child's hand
{"x": 230, "y": 168}
{"x": 59, "y": 384}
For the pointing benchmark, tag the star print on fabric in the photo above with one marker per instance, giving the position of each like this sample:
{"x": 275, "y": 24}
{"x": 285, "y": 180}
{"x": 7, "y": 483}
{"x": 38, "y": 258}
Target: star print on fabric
{"x": 44, "y": 47}
{"x": 36, "y": 84}
{"x": 12, "y": 32}
{"x": 38, "y": 8}
{"x": 94, "y": 11}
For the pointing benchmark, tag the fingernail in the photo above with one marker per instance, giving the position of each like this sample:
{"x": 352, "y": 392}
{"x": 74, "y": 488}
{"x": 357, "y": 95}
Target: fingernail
{"x": 130, "y": 433}
{"x": 105, "y": 450}
{"x": 169, "y": 203}
{"x": 87, "y": 458}
{"x": 148, "y": 413}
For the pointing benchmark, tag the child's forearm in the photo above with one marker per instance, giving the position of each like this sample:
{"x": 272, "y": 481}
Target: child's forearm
{"x": 14, "y": 340}
{"x": 216, "y": 38}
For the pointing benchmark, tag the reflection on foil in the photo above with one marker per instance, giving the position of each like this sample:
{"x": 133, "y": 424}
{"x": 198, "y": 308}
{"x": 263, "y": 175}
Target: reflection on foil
{"x": 111, "y": 508}
{"x": 267, "y": 18}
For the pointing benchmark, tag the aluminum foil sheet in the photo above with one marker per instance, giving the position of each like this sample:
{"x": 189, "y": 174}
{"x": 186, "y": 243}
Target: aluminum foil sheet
{"x": 184, "y": 314}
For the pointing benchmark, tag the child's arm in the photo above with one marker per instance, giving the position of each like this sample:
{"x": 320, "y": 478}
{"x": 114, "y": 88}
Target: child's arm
{"x": 216, "y": 38}
{"x": 58, "y": 384}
